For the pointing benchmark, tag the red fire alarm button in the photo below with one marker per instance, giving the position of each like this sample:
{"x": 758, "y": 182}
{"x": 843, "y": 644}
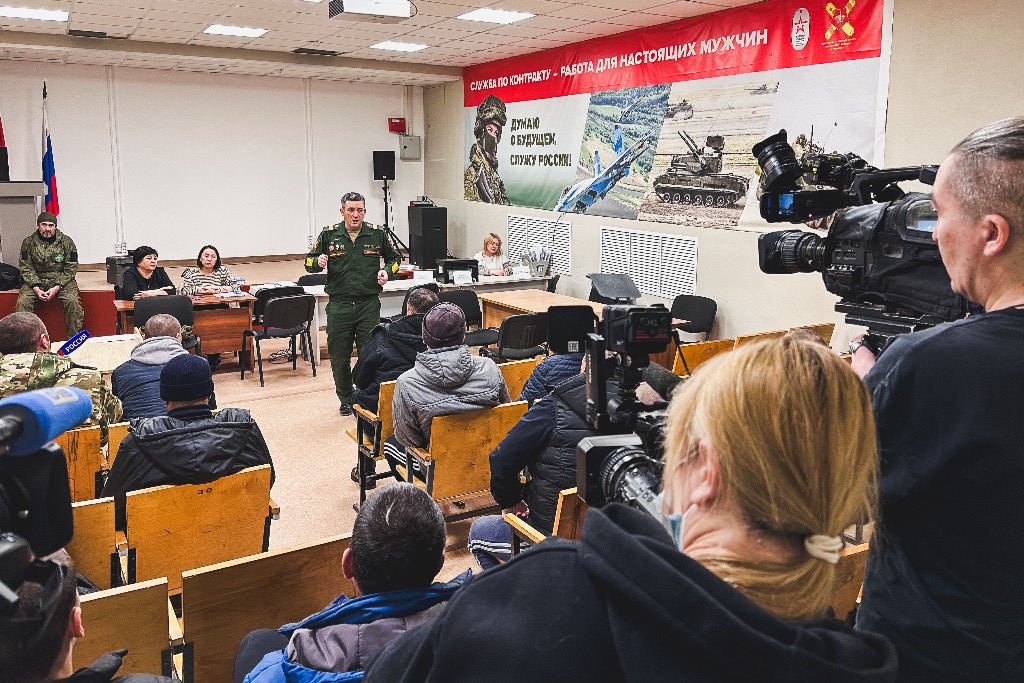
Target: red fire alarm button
{"x": 396, "y": 125}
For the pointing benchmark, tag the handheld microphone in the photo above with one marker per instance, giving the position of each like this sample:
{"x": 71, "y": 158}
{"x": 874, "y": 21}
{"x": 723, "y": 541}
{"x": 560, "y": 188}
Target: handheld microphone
{"x": 73, "y": 343}
{"x": 31, "y": 419}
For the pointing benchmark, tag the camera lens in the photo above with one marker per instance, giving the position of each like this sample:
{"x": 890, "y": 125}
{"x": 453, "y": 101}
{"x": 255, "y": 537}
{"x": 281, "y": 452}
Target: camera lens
{"x": 802, "y": 252}
{"x": 625, "y": 473}
{"x": 778, "y": 162}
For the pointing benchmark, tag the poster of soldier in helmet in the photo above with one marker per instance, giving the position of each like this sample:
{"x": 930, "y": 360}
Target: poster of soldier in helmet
{"x": 657, "y": 124}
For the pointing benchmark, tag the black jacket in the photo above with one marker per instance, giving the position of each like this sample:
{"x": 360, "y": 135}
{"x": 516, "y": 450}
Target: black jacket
{"x": 189, "y": 445}
{"x": 544, "y": 442}
{"x": 622, "y": 604}
{"x": 132, "y": 283}
{"x": 104, "y": 669}
{"x": 390, "y": 351}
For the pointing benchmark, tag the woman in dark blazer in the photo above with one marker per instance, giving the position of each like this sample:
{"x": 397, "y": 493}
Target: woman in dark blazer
{"x": 146, "y": 278}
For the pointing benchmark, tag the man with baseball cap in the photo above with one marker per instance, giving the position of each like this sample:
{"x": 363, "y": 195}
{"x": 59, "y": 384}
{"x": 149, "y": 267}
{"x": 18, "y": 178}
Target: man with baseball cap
{"x": 445, "y": 380}
{"x": 49, "y": 264}
{"x": 190, "y": 445}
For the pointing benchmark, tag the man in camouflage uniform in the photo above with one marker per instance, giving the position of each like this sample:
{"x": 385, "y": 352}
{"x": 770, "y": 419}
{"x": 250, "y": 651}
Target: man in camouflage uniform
{"x": 26, "y": 364}
{"x": 49, "y": 263}
{"x": 351, "y": 252}
{"x": 482, "y": 182}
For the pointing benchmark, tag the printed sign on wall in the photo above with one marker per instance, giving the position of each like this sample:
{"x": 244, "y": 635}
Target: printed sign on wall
{"x": 657, "y": 124}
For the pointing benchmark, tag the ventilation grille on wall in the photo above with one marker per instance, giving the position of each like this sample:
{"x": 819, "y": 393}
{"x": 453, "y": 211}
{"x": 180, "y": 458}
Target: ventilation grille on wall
{"x": 660, "y": 264}
{"x": 527, "y": 231}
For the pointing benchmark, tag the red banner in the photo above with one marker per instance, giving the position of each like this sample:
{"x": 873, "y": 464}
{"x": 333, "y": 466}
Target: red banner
{"x": 776, "y": 34}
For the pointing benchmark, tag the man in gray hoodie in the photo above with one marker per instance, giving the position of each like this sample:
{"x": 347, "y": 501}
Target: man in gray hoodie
{"x": 445, "y": 380}
{"x": 137, "y": 381}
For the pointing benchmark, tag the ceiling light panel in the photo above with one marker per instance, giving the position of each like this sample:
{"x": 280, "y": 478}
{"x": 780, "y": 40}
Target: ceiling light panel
{"x": 396, "y": 46}
{"x": 239, "y": 31}
{"x": 494, "y": 16}
{"x": 29, "y": 13}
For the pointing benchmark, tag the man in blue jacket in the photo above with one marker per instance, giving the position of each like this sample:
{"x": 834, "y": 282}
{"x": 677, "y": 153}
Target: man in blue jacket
{"x": 137, "y": 381}
{"x": 397, "y": 549}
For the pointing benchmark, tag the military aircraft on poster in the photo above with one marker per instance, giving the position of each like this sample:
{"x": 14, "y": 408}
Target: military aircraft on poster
{"x": 577, "y": 198}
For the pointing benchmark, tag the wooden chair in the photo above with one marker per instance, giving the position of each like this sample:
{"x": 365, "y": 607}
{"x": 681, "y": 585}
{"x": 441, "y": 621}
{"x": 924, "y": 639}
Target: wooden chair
{"x": 94, "y": 547}
{"x": 760, "y": 336}
{"x": 456, "y": 467}
{"x": 175, "y": 528}
{"x": 222, "y": 603}
{"x": 569, "y": 516}
{"x": 132, "y": 618}
{"x": 370, "y": 432}
{"x": 516, "y": 373}
{"x": 824, "y": 330}
{"x": 86, "y": 461}
{"x": 849, "y": 579}
{"x": 695, "y": 354}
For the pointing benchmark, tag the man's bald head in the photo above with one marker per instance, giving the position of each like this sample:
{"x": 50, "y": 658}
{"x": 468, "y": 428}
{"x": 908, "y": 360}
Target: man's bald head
{"x": 987, "y": 172}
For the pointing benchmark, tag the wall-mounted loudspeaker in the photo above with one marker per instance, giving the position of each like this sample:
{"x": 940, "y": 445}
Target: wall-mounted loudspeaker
{"x": 384, "y": 165}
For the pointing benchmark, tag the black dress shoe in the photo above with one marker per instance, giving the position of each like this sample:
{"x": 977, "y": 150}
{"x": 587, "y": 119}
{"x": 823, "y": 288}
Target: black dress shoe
{"x": 345, "y": 410}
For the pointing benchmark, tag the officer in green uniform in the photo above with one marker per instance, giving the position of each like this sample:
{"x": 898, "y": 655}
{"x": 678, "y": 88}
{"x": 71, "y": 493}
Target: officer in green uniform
{"x": 49, "y": 263}
{"x": 351, "y": 251}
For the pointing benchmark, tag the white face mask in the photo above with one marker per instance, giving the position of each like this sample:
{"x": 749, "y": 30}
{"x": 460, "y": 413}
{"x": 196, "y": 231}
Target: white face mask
{"x": 675, "y": 524}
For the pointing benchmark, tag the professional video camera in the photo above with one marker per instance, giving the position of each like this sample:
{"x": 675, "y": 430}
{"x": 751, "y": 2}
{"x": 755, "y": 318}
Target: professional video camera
{"x": 35, "y": 498}
{"x": 878, "y": 254}
{"x": 624, "y": 464}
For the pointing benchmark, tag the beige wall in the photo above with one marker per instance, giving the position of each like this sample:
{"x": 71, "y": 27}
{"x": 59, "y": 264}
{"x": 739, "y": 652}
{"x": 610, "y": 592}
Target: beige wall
{"x": 952, "y": 70}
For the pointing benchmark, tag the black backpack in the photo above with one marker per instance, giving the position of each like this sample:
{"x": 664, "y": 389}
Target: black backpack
{"x": 10, "y": 277}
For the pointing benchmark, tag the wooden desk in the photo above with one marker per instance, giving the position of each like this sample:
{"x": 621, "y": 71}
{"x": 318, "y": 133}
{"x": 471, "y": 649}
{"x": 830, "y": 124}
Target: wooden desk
{"x": 496, "y": 306}
{"x": 219, "y": 322}
{"x": 104, "y": 353}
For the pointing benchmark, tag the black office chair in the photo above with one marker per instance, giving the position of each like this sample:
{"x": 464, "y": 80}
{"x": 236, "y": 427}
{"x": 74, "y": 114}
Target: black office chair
{"x": 312, "y": 280}
{"x": 432, "y": 286}
{"x": 178, "y": 306}
{"x": 265, "y": 295}
{"x": 553, "y": 282}
{"x": 467, "y": 300}
{"x": 284, "y": 317}
{"x": 699, "y": 311}
{"x": 520, "y": 336}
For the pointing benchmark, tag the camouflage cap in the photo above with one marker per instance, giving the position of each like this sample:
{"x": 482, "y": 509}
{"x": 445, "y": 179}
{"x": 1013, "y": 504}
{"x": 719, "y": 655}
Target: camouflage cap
{"x": 46, "y": 217}
{"x": 491, "y": 109}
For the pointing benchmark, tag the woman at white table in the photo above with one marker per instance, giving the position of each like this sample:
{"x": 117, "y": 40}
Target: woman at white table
{"x": 208, "y": 276}
{"x": 490, "y": 257}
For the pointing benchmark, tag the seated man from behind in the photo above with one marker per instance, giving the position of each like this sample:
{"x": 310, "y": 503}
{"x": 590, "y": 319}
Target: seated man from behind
{"x": 26, "y": 364}
{"x": 190, "y": 445}
{"x": 137, "y": 381}
{"x": 445, "y": 380}
{"x": 40, "y": 632}
{"x": 391, "y": 350}
{"x": 397, "y": 549}
{"x": 549, "y": 373}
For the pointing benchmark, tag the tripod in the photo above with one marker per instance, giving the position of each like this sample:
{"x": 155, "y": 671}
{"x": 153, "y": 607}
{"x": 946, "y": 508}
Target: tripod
{"x": 388, "y": 232}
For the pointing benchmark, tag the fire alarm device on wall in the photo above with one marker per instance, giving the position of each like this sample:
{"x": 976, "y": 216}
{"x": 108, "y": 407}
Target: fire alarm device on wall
{"x": 396, "y": 125}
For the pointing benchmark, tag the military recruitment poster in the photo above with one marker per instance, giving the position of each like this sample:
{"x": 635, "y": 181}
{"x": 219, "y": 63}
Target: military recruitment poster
{"x": 658, "y": 124}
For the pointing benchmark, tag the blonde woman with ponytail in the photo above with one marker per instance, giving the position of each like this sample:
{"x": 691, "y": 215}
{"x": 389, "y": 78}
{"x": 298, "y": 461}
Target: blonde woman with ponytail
{"x": 770, "y": 453}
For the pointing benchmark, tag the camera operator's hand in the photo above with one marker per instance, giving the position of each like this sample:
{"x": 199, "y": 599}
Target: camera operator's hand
{"x": 520, "y": 510}
{"x": 863, "y": 358}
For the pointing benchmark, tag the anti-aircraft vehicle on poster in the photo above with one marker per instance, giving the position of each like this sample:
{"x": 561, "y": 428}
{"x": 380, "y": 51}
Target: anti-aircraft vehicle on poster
{"x": 697, "y": 177}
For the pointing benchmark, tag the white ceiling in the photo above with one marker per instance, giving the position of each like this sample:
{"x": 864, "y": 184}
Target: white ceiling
{"x": 168, "y": 34}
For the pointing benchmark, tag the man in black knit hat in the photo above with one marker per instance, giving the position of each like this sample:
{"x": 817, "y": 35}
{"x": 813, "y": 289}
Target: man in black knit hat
{"x": 190, "y": 445}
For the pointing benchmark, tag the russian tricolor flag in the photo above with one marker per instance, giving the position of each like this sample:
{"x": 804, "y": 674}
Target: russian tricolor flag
{"x": 49, "y": 174}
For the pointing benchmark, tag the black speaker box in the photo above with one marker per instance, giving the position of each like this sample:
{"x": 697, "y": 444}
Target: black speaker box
{"x": 428, "y": 235}
{"x": 383, "y": 165}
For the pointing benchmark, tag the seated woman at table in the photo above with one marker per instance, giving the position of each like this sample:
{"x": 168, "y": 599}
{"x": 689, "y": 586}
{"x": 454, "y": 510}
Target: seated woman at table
{"x": 490, "y": 257}
{"x": 209, "y": 276}
{"x": 146, "y": 278}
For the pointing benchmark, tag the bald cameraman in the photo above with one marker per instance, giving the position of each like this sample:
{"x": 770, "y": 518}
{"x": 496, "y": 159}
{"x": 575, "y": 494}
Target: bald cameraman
{"x": 943, "y": 582}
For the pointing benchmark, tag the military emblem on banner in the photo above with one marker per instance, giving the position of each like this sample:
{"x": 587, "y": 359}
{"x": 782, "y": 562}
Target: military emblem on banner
{"x": 801, "y": 32}
{"x": 840, "y": 20}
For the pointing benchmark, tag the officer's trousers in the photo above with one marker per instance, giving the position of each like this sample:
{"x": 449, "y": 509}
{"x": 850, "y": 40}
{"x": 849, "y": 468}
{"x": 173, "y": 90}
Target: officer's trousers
{"x": 348, "y": 322}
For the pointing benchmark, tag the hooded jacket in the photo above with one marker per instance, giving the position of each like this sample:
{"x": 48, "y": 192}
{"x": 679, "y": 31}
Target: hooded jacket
{"x": 340, "y": 642}
{"x": 137, "y": 381}
{"x": 622, "y": 604}
{"x": 444, "y": 381}
{"x": 189, "y": 445}
{"x": 391, "y": 350}
{"x": 549, "y": 373}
